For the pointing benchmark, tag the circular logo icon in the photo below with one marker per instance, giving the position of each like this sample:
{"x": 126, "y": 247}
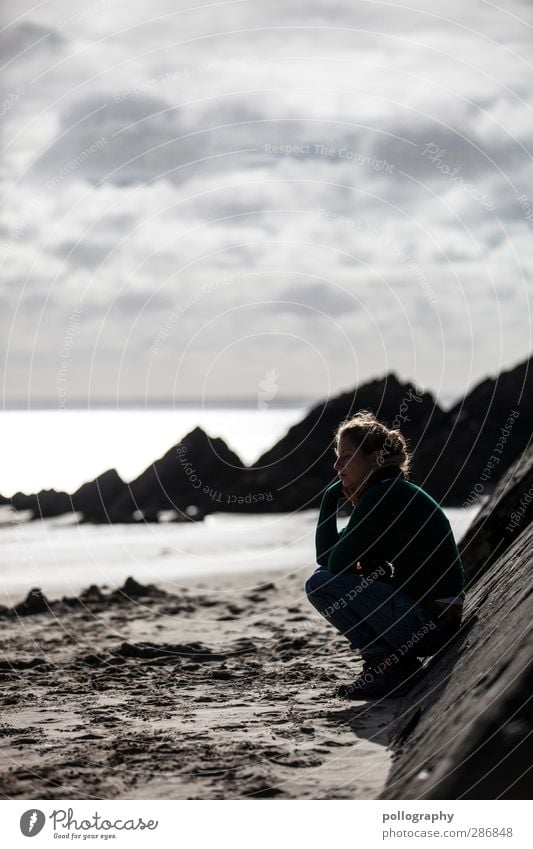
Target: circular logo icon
{"x": 31, "y": 822}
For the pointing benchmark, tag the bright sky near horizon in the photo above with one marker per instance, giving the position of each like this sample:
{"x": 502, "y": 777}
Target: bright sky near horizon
{"x": 263, "y": 199}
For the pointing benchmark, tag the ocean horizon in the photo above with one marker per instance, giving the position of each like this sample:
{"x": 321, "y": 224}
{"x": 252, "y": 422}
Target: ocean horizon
{"x": 62, "y": 449}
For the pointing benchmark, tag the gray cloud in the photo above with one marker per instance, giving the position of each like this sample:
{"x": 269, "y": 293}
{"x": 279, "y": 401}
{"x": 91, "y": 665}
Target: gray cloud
{"x": 345, "y": 162}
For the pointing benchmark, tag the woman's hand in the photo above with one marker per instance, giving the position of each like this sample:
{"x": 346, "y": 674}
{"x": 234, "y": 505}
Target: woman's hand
{"x": 349, "y": 494}
{"x": 337, "y": 489}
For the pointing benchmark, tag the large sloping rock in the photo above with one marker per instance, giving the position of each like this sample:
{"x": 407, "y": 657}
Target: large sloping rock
{"x": 479, "y": 438}
{"x": 500, "y": 520}
{"x": 298, "y": 467}
{"x": 463, "y": 730}
{"x": 456, "y": 455}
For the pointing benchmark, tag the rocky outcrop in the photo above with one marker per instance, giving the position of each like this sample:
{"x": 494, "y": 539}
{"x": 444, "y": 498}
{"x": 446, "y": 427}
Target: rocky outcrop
{"x": 46, "y": 503}
{"x": 465, "y": 455}
{"x": 451, "y": 451}
{"x": 463, "y": 730}
{"x": 300, "y": 465}
{"x": 35, "y": 602}
{"x": 197, "y": 473}
{"x": 94, "y": 499}
{"x": 500, "y": 520}
{"x": 456, "y": 457}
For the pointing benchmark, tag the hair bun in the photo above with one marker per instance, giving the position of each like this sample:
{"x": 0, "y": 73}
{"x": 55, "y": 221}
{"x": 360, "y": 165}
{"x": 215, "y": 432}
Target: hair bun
{"x": 365, "y": 431}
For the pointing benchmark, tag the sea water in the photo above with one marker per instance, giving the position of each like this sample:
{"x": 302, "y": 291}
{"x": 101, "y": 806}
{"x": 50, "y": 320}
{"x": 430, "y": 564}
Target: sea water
{"x": 63, "y": 557}
{"x": 61, "y": 449}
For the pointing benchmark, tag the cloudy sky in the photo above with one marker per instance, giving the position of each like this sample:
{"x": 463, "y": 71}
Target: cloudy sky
{"x": 203, "y": 200}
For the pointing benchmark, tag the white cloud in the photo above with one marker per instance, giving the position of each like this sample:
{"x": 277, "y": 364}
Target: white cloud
{"x": 139, "y": 167}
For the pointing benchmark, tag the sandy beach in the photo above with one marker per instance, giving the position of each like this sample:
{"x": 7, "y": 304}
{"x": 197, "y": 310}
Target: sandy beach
{"x": 224, "y": 691}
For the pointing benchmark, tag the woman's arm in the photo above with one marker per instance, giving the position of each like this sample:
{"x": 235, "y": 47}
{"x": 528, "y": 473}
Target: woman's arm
{"x": 363, "y": 535}
{"x": 327, "y": 536}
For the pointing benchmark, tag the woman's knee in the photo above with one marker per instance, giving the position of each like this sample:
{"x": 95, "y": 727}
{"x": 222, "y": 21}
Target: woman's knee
{"x": 319, "y": 579}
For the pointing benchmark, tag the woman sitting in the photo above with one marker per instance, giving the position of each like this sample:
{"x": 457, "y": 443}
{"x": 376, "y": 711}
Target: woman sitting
{"x": 392, "y": 580}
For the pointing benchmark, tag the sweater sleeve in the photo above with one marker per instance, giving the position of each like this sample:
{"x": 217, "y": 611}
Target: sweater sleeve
{"x": 327, "y": 536}
{"x": 362, "y": 533}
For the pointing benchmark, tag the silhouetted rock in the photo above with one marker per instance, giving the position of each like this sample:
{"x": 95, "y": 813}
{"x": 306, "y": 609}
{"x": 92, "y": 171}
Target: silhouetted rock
{"x": 298, "y": 468}
{"x": 463, "y": 730}
{"x": 197, "y": 471}
{"x": 92, "y": 594}
{"x": 132, "y": 590}
{"x": 35, "y": 602}
{"x": 501, "y": 519}
{"x": 94, "y": 498}
{"x": 478, "y": 439}
{"x": 44, "y": 504}
{"x": 457, "y": 456}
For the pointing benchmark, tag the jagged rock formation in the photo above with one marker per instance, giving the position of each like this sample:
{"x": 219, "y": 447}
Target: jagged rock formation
{"x": 456, "y": 456}
{"x": 478, "y": 439}
{"x": 47, "y": 502}
{"x": 196, "y": 472}
{"x": 500, "y": 520}
{"x": 94, "y": 499}
{"x": 300, "y": 465}
{"x": 463, "y": 730}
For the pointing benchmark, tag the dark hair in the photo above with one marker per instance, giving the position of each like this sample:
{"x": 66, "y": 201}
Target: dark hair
{"x": 366, "y": 432}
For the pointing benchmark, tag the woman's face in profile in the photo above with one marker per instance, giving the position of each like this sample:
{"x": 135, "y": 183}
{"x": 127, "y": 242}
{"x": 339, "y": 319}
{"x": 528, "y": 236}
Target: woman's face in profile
{"x": 352, "y": 464}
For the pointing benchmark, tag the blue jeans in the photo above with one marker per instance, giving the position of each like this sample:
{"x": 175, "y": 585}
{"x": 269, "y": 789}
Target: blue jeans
{"x": 374, "y": 616}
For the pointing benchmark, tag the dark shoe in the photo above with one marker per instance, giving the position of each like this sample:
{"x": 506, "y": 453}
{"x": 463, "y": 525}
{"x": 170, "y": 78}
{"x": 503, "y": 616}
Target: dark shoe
{"x": 390, "y": 677}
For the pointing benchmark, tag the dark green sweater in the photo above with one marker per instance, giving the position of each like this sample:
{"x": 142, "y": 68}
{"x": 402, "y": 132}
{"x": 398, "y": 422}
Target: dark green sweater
{"x": 394, "y": 520}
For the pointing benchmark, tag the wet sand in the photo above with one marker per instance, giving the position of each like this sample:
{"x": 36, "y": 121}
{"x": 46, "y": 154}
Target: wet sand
{"x": 215, "y": 692}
